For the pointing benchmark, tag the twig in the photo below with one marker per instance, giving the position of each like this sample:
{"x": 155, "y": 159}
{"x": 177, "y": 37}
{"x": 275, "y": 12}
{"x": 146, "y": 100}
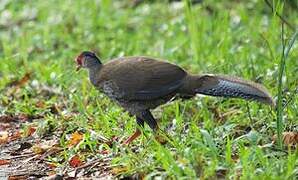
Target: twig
{"x": 19, "y": 156}
{"x": 101, "y": 166}
{"x": 50, "y": 152}
{"x": 280, "y": 16}
{"x": 91, "y": 163}
{"x": 30, "y": 158}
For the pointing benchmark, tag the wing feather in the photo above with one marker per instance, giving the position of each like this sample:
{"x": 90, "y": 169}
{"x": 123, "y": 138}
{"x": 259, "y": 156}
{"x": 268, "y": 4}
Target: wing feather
{"x": 142, "y": 78}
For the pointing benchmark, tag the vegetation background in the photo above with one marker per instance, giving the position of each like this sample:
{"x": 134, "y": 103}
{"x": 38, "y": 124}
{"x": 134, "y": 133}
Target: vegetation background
{"x": 68, "y": 128}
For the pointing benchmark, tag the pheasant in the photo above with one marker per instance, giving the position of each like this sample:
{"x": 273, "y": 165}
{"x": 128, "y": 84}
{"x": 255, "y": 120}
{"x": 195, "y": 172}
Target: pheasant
{"x": 140, "y": 84}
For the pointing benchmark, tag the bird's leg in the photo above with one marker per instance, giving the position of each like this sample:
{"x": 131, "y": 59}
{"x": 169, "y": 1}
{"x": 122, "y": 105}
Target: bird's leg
{"x": 137, "y": 133}
{"x": 150, "y": 120}
{"x": 147, "y": 117}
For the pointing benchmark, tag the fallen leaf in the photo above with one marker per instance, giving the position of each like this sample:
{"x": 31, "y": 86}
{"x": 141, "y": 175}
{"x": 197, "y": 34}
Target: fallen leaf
{"x": 4, "y": 126}
{"x": 17, "y": 177}
{"x": 118, "y": 170}
{"x": 31, "y": 130}
{"x": 20, "y": 117}
{"x": 20, "y": 82}
{"x": 40, "y": 148}
{"x": 288, "y": 139}
{"x": 40, "y": 104}
{"x": 51, "y": 165}
{"x": 15, "y": 136}
{"x": 75, "y": 161}
{"x": 3, "y": 137}
{"x": 6, "y": 118}
{"x": 76, "y": 137}
{"x": 4, "y": 162}
{"x": 23, "y": 117}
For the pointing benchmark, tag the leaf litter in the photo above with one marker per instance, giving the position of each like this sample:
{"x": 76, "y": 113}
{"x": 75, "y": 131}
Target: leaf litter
{"x": 289, "y": 139}
{"x": 25, "y": 153}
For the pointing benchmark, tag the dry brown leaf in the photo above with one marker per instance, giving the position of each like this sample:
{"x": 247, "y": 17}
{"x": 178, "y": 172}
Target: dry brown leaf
{"x": 75, "y": 161}
{"x": 21, "y": 177}
{"x": 288, "y": 139}
{"x": 20, "y": 82}
{"x": 23, "y": 117}
{"x": 6, "y": 118}
{"x": 3, "y": 137}
{"x": 20, "y": 117}
{"x": 75, "y": 138}
{"x": 38, "y": 149}
{"x": 40, "y": 104}
{"x": 4, "y": 126}
{"x": 31, "y": 130}
{"x": 4, "y": 162}
{"x": 15, "y": 136}
{"x": 45, "y": 146}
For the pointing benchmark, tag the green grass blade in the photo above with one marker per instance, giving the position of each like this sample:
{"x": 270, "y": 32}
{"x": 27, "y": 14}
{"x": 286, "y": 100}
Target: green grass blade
{"x": 286, "y": 51}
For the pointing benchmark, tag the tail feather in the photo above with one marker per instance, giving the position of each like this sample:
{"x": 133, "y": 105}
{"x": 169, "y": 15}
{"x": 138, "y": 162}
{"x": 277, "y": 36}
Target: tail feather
{"x": 218, "y": 85}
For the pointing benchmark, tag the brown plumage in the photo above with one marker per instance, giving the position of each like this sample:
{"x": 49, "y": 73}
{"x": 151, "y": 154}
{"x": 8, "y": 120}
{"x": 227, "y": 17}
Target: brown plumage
{"x": 140, "y": 84}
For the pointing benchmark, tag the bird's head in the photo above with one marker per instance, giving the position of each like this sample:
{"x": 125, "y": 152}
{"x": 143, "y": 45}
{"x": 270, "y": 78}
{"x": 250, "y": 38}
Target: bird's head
{"x": 87, "y": 59}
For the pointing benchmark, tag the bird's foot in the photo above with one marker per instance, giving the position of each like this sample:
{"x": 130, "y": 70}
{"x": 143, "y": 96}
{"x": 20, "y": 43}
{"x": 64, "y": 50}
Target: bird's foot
{"x": 132, "y": 137}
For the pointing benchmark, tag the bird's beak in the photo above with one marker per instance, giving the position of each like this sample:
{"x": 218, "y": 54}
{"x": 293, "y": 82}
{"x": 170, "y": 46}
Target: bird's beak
{"x": 78, "y": 67}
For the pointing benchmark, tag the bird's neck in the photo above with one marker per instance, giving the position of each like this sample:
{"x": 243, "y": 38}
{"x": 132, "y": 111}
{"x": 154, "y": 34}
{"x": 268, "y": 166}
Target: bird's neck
{"x": 94, "y": 72}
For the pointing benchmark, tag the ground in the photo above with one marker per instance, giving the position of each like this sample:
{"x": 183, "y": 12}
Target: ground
{"x": 54, "y": 123}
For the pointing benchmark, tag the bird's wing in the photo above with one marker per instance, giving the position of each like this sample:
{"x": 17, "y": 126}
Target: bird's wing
{"x": 142, "y": 78}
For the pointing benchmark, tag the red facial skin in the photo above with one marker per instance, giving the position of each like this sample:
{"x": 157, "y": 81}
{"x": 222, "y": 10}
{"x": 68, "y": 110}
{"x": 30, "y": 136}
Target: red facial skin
{"x": 79, "y": 60}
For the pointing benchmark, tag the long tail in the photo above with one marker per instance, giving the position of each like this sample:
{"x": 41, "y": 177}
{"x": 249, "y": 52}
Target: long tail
{"x": 224, "y": 86}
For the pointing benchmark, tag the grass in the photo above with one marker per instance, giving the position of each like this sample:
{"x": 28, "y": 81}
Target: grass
{"x": 285, "y": 53}
{"x": 210, "y": 137}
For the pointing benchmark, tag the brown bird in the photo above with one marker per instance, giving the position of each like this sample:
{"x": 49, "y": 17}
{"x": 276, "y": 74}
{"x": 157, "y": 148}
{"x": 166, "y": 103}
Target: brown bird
{"x": 139, "y": 84}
